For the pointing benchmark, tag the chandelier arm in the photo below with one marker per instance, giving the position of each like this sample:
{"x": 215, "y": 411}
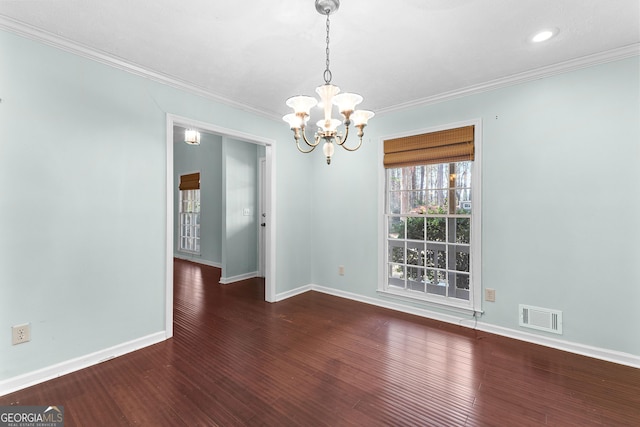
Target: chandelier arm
{"x": 360, "y": 134}
{"x": 304, "y": 136}
{"x": 355, "y": 148}
{"x": 313, "y": 147}
{"x": 341, "y": 141}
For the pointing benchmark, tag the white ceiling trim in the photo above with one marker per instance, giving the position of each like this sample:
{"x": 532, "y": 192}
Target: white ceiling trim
{"x": 539, "y": 73}
{"x": 33, "y": 33}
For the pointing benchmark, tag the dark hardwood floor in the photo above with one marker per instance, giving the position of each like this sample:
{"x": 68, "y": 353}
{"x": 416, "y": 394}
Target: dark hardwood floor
{"x": 318, "y": 360}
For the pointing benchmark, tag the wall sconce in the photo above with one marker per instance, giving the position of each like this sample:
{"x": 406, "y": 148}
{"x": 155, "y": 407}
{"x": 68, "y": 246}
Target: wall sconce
{"x": 192, "y": 137}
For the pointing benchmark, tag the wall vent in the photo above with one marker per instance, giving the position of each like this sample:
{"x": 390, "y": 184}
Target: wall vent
{"x": 542, "y": 319}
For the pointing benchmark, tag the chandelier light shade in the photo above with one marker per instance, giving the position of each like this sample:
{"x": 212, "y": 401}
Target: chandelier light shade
{"x": 192, "y": 137}
{"x": 329, "y": 96}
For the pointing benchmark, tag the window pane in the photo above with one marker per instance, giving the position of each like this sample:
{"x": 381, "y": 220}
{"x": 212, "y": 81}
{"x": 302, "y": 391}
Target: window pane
{"x": 463, "y": 174}
{"x": 411, "y": 178}
{"x": 462, "y": 281}
{"x": 463, "y": 227}
{"x": 416, "y": 286}
{"x": 394, "y": 181}
{"x": 396, "y": 254}
{"x": 416, "y": 201}
{"x": 415, "y": 256}
{"x": 437, "y": 202}
{"x": 415, "y": 280}
{"x": 462, "y": 258}
{"x": 407, "y": 202}
{"x": 442, "y": 278}
{"x": 429, "y": 276}
{"x": 415, "y": 274}
{"x": 438, "y": 176}
{"x": 436, "y": 229}
{"x": 396, "y": 271}
{"x": 463, "y": 201}
{"x": 395, "y": 202}
{"x": 421, "y": 178}
{"x": 430, "y": 258}
{"x": 415, "y": 228}
{"x": 434, "y": 284}
{"x": 396, "y": 227}
{"x": 441, "y": 258}
{"x": 459, "y": 286}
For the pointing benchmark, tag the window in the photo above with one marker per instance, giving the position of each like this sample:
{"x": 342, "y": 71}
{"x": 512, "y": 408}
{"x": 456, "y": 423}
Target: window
{"x": 431, "y": 220}
{"x": 189, "y": 212}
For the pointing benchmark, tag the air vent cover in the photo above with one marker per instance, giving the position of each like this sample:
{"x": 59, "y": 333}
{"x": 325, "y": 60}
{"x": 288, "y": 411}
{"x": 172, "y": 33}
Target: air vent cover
{"x": 542, "y": 319}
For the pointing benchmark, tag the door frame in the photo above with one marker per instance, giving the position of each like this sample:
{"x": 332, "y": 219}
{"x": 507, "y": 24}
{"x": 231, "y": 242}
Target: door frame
{"x": 269, "y": 203}
{"x": 262, "y": 216}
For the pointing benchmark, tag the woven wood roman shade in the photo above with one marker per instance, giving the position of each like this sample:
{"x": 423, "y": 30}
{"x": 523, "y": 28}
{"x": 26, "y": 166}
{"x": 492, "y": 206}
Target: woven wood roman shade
{"x": 446, "y": 146}
{"x": 190, "y": 181}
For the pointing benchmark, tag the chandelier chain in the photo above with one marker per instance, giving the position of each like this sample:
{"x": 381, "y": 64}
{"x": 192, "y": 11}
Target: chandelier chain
{"x": 327, "y": 71}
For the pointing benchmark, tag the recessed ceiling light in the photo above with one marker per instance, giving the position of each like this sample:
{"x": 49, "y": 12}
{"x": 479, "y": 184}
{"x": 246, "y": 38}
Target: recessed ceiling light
{"x": 544, "y": 35}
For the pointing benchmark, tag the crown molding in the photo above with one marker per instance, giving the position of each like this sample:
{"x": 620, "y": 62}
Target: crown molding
{"x": 33, "y": 33}
{"x": 50, "y": 39}
{"x": 527, "y": 76}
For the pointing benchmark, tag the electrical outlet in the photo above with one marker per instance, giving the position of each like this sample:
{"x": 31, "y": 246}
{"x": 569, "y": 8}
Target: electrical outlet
{"x": 20, "y": 333}
{"x": 341, "y": 270}
{"x": 490, "y": 295}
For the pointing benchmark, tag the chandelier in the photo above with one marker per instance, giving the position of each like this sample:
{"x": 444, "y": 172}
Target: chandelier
{"x": 329, "y": 96}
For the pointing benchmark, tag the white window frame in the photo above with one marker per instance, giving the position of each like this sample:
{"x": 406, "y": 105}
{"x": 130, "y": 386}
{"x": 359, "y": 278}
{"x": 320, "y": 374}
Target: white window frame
{"x": 194, "y": 226}
{"x": 474, "y": 304}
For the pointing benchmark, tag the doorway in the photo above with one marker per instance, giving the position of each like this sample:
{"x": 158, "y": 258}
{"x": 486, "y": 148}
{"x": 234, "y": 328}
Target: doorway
{"x": 262, "y": 219}
{"x": 266, "y": 248}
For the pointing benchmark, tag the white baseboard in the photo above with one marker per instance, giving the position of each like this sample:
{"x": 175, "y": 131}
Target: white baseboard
{"x": 232, "y": 279}
{"x": 223, "y": 280}
{"x": 41, "y": 375}
{"x": 198, "y": 260}
{"x": 572, "y": 347}
{"x": 293, "y": 292}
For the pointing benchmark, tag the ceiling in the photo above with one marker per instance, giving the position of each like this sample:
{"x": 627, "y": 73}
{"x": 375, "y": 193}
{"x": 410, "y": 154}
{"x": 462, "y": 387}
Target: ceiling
{"x": 255, "y": 53}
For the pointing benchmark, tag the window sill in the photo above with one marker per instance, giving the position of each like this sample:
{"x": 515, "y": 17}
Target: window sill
{"x": 183, "y": 251}
{"x": 466, "y": 309}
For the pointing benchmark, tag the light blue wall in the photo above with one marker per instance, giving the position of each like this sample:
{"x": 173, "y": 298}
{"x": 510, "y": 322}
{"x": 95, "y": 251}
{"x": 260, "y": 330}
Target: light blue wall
{"x": 560, "y": 201}
{"x": 240, "y": 231}
{"x": 82, "y": 208}
{"x": 205, "y": 158}
{"x": 83, "y": 202}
